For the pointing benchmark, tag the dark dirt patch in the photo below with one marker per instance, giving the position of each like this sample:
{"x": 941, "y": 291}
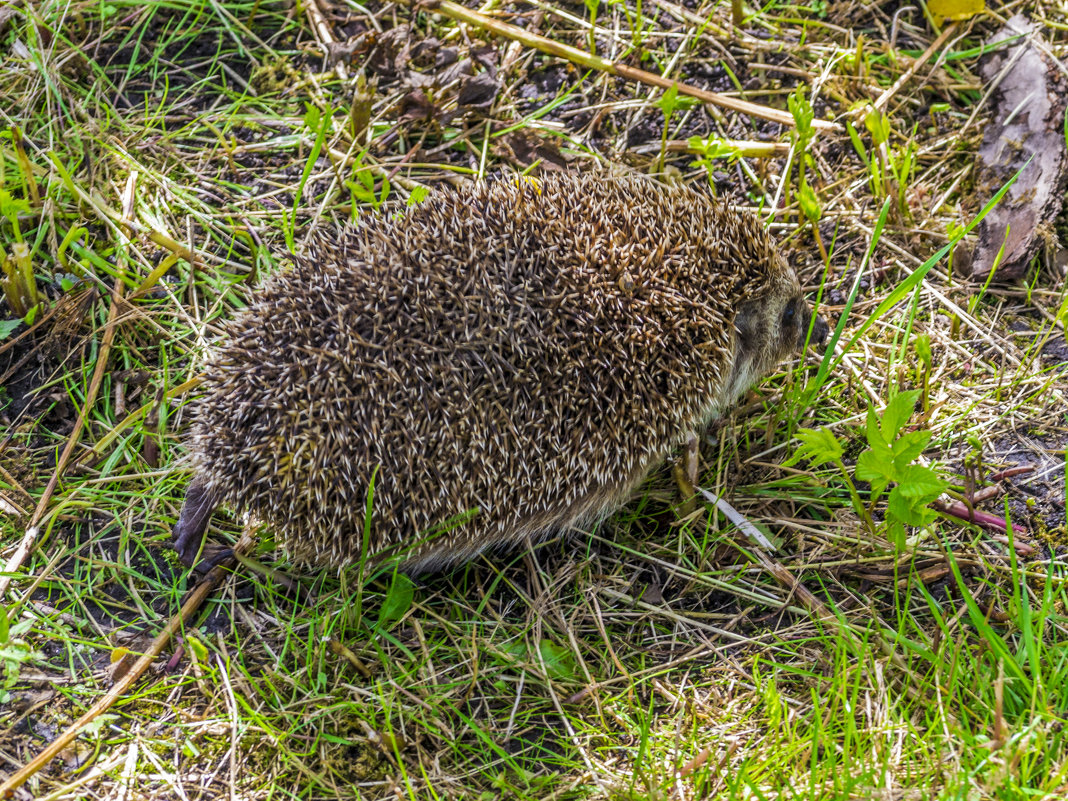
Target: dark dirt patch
{"x": 1055, "y": 351}
{"x": 1036, "y": 499}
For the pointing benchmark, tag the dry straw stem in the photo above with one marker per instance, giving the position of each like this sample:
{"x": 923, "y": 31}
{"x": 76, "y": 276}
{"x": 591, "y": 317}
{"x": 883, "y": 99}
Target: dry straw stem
{"x": 744, "y": 147}
{"x": 118, "y": 689}
{"x": 324, "y": 35}
{"x": 573, "y": 54}
{"x": 128, "y": 225}
{"x": 884, "y": 98}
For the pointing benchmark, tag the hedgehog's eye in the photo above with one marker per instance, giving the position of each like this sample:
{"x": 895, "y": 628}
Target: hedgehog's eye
{"x": 788, "y": 313}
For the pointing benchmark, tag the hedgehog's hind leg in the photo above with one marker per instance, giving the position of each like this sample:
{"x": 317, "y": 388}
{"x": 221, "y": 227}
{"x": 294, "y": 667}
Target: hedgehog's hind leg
{"x": 685, "y": 472}
{"x": 189, "y": 531}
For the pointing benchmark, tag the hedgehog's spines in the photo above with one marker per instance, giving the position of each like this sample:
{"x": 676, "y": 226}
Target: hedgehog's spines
{"x": 531, "y": 351}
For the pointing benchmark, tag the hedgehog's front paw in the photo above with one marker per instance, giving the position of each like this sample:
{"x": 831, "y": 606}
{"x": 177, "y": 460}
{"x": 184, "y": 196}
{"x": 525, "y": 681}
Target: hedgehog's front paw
{"x": 211, "y": 556}
{"x": 188, "y": 533}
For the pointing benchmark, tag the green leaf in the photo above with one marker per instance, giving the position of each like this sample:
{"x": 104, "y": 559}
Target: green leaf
{"x": 878, "y": 125}
{"x": 11, "y": 206}
{"x": 876, "y": 469}
{"x": 858, "y": 145}
{"x": 311, "y": 117}
{"x": 559, "y": 661}
{"x": 897, "y": 413}
{"x": 196, "y": 648}
{"x": 98, "y": 724}
{"x": 713, "y": 148}
{"x": 398, "y": 601}
{"x": 896, "y": 536}
{"x": 418, "y": 195}
{"x": 810, "y": 204}
{"x": 905, "y": 510}
{"x": 7, "y": 327}
{"x": 908, "y": 447}
{"x": 923, "y": 349}
{"x": 669, "y": 100}
{"x": 818, "y": 446}
{"x": 801, "y": 110}
{"x": 943, "y": 10}
{"x": 875, "y": 434}
{"x": 919, "y": 483}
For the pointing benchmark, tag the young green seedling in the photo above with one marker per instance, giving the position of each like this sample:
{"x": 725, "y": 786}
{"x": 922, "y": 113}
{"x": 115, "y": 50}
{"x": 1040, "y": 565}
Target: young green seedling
{"x": 888, "y": 465}
{"x": 668, "y": 103}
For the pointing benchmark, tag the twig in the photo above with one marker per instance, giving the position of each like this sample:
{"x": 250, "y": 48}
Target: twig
{"x": 732, "y": 514}
{"x": 1008, "y": 472}
{"x": 813, "y": 604}
{"x": 322, "y": 31}
{"x": 32, "y": 530}
{"x": 573, "y": 54}
{"x": 985, "y": 519}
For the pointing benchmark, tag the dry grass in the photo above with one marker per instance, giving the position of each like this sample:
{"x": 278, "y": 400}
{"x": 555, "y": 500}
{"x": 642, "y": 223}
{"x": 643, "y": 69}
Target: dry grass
{"x": 169, "y": 147}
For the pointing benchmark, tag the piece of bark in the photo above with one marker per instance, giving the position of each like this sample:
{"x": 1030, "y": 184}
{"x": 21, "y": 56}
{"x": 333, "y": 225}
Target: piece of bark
{"x": 1027, "y": 123}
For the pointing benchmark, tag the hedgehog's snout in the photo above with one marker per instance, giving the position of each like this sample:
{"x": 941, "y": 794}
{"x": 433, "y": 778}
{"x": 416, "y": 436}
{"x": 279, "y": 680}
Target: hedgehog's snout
{"x": 820, "y": 332}
{"x": 801, "y": 327}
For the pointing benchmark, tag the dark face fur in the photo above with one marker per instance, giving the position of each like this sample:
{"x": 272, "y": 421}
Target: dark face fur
{"x": 769, "y": 331}
{"x": 795, "y": 322}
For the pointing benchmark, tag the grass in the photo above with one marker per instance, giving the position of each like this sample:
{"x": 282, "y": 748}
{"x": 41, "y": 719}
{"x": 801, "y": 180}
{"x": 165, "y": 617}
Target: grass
{"x": 166, "y": 152}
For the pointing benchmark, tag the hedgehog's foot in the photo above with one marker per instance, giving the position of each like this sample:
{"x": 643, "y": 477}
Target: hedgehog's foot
{"x": 685, "y": 472}
{"x": 192, "y": 524}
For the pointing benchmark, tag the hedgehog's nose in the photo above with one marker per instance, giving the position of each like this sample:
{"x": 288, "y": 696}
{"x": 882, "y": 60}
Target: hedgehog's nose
{"x": 820, "y": 331}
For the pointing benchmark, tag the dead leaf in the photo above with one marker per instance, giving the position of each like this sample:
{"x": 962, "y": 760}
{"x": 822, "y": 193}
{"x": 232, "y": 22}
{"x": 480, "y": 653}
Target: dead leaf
{"x": 524, "y": 147}
{"x": 955, "y": 9}
{"x": 391, "y": 54}
{"x": 417, "y": 106}
{"x": 479, "y": 91}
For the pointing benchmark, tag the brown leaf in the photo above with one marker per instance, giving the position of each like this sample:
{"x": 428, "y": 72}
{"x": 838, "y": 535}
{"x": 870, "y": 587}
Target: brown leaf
{"x": 524, "y": 147}
{"x": 479, "y": 91}
{"x": 416, "y": 107}
{"x": 392, "y": 51}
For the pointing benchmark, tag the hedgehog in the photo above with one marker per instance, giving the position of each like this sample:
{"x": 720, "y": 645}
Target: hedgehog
{"x": 504, "y": 361}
